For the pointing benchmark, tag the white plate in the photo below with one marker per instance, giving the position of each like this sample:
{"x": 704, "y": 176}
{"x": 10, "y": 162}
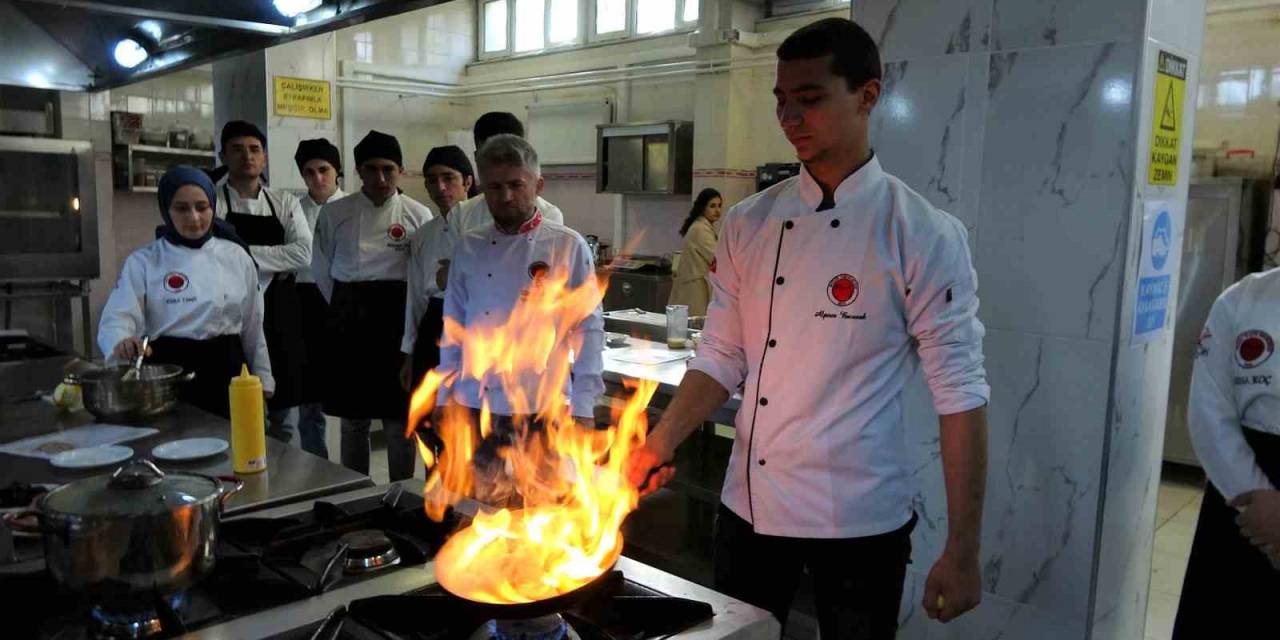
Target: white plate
{"x": 616, "y": 339}
{"x": 90, "y": 457}
{"x": 190, "y": 449}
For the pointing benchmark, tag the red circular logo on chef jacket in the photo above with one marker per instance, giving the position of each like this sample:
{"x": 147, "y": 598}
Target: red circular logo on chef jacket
{"x": 175, "y": 282}
{"x": 538, "y": 270}
{"x": 396, "y": 232}
{"x": 1253, "y": 348}
{"x": 842, "y": 290}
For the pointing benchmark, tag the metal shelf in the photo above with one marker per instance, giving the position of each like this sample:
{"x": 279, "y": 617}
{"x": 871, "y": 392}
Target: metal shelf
{"x": 172, "y": 151}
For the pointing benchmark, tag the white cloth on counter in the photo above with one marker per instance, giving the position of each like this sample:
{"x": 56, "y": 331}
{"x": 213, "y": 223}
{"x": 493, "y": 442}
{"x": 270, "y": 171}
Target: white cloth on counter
{"x": 169, "y": 290}
{"x": 825, "y": 316}
{"x": 433, "y": 242}
{"x": 311, "y": 210}
{"x": 1234, "y": 383}
{"x": 357, "y": 241}
{"x": 473, "y": 213}
{"x": 295, "y": 253}
{"x": 490, "y": 272}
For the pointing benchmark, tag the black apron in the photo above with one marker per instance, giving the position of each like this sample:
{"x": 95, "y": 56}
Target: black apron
{"x": 1231, "y": 588}
{"x": 214, "y": 360}
{"x": 281, "y": 318}
{"x": 315, "y": 317}
{"x": 426, "y": 351}
{"x": 366, "y": 325}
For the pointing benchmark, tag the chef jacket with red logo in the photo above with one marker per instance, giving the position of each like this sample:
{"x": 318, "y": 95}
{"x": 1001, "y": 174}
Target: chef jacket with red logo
{"x": 169, "y": 290}
{"x": 824, "y": 317}
{"x": 490, "y": 272}
{"x": 356, "y": 241}
{"x": 1234, "y": 383}
{"x": 433, "y": 242}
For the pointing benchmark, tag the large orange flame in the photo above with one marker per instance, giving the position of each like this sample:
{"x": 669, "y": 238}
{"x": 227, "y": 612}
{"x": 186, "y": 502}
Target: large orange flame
{"x": 569, "y": 477}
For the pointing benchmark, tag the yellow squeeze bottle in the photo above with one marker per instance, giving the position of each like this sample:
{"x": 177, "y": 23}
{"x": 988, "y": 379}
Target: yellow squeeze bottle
{"x": 248, "y": 429}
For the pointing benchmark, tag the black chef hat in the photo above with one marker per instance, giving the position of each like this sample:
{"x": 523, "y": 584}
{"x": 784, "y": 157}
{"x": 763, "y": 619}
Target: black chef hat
{"x": 450, "y": 156}
{"x": 495, "y": 123}
{"x": 317, "y": 149}
{"x": 241, "y": 129}
{"x": 379, "y": 145}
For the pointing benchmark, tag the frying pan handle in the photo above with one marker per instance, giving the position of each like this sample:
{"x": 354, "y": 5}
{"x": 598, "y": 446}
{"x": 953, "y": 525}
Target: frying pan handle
{"x": 225, "y": 494}
{"x": 14, "y": 519}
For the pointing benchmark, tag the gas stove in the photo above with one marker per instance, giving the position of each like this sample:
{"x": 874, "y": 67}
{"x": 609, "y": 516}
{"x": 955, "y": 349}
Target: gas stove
{"x": 366, "y": 555}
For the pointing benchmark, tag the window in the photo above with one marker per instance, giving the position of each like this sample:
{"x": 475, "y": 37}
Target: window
{"x": 495, "y": 26}
{"x": 530, "y": 25}
{"x": 562, "y": 23}
{"x": 690, "y": 13}
{"x": 364, "y": 46}
{"x": 1233, "y": 89}
{"x": 653, "y": 16}
{"x": 611, "y": 16}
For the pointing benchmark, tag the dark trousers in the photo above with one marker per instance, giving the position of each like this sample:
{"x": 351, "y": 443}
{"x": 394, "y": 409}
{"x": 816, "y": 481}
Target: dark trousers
{"x": 857, "y": 581}
{"x": 1230, "y": 587}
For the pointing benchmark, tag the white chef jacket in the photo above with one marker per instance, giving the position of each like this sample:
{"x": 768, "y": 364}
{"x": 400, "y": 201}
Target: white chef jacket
{"x": 490, "y": 270}
{"x": 359, "y": 242}
{"x": 1234, "y": 383}
{"x": 473, "y": 213}
{"x": 433, "y": 242}
{"x": 295, "y": 253}
{"x": 311, "y": 210}
{"x": 166, "y": 289}
{"x": 824, "y": 315}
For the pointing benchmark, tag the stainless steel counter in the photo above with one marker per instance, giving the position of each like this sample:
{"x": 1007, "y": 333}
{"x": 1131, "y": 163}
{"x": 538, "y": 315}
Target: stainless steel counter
{"x": 292, "y": 474}
{"x": 668, "y": 376}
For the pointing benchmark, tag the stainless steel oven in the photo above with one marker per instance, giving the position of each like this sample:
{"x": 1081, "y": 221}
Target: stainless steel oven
{"x": 48, "y": 210}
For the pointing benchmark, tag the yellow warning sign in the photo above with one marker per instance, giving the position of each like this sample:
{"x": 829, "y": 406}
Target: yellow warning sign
{"x": 302, "y": 98}
{"x": 1166, "y": 119}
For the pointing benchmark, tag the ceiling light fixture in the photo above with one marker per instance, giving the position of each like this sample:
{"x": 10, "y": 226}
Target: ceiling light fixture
{"x": 129, "y": 53}
{"x": 291, "y": 8}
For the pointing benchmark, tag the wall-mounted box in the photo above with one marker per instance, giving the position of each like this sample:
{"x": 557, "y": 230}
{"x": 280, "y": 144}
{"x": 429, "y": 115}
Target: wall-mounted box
{"x": 645, "y": 158}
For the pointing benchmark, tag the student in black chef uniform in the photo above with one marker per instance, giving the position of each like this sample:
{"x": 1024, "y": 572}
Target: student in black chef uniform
{"x": 272, "y": 223}
{"x": 194, "y": 291}
{"x": 1233, "y": 415}
{"x": 449, "y": 178}
{"x": 851, "y": 273}
{"x": 360, "y": 262}
{"x": 320, "y": 164}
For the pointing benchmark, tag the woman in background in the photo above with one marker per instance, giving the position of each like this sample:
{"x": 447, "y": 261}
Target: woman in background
{"x": 194, "y": 290}
{"x": 691, "y": 287}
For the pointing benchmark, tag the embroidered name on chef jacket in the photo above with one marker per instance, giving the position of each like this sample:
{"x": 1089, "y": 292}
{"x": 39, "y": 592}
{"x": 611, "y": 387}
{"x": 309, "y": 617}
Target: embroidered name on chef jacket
{"x": 842, "y": 291}
{"x": 176, "y": 282}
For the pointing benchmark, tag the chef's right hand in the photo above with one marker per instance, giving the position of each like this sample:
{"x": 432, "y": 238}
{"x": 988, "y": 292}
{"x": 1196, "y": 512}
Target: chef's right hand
{"x": 442, "y": 274}
{"x": 128, "y": 349}
{"x": 406, "y": 372}
{"x": 649, "y": 468}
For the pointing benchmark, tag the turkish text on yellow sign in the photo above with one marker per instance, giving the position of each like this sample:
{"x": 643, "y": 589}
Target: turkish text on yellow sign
{"x": 302, "y": 98}
{"x": 1166, "y": 119}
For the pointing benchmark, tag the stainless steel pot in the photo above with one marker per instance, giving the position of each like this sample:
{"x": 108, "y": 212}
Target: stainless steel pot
{"x": 110, "y": 397}
{"x": 132, "y": 534}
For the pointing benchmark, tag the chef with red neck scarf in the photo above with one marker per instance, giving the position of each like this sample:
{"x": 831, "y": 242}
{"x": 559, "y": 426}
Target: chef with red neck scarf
{"x": 194, "y": 291}
{"x": 360, "y": 263}
{"x": 272, "y": 223}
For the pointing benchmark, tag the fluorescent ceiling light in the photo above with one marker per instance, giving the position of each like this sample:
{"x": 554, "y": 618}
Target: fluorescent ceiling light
{"x": 129, "y": 53}
{"x": 291, "y": 8}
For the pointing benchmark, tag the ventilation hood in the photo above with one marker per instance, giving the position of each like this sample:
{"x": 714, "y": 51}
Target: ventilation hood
{"x": 69, "y": 44}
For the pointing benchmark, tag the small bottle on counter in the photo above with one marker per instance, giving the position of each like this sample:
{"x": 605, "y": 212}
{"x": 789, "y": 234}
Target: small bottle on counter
{"x": 248, "y": 428}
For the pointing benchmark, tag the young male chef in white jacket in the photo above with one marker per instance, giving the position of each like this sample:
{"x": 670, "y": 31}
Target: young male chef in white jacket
{"x": 320, "y": 164}
{"x": 1232, "y": 586}
{"x": 449, "y": 178}
{"x": 360, "y": 262}
{"x": 272, "y": 223}
{"x": 829, "y": 289}
{"x": 494, "y": 266}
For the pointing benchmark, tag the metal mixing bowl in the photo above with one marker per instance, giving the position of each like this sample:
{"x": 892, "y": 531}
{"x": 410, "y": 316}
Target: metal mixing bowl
{"x": 111, "y": 398}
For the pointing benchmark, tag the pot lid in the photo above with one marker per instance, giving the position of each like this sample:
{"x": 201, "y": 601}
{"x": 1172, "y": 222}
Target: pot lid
{"x": 137, "y": 488}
